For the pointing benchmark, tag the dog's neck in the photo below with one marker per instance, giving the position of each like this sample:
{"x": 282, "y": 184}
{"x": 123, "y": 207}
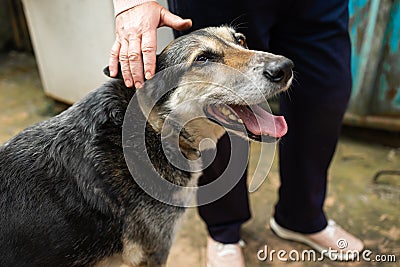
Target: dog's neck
{"x": 196, "y": 135}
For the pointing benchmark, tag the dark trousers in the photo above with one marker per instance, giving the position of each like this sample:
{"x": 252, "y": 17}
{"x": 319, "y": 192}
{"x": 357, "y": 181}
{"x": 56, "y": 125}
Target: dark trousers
{"x": 312, "y": 33}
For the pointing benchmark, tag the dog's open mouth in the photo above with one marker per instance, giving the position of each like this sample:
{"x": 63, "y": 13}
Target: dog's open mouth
{"x": 260, "y": 124}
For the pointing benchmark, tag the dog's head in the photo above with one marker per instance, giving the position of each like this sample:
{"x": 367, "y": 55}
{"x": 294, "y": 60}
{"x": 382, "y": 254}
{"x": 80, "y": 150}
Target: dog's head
{"x": 227, "y": 81}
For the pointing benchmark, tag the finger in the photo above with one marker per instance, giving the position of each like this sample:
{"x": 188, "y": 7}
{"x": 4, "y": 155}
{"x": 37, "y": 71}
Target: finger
{"x": 124, "y": 60}
{"x": 174, "y": 21}
{"x": 149, "y": 47}
{"x": 135, "y": 60}
{"x": 113, "y": 61}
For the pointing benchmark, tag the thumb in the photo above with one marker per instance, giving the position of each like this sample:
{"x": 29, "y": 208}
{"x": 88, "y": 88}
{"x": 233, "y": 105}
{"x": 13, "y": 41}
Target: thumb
{"x": 174, "y": 21}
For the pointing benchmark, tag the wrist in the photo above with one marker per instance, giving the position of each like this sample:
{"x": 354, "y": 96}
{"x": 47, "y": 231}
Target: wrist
{"x": 123, "y": 5}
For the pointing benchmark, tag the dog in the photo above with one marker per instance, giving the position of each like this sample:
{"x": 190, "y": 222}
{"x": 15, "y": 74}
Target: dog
{"x": 67, "y": 197}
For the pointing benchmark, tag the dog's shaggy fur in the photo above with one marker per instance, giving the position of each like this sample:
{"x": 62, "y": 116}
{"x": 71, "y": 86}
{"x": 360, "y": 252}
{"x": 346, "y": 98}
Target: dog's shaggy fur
{"x": 67, "y": 197}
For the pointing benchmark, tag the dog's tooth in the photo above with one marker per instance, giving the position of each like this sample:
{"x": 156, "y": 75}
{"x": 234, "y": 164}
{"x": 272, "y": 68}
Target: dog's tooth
{"x": 240, "y": 121}
{"x": 225, "y": 111}
{"x": 232, "y": 117}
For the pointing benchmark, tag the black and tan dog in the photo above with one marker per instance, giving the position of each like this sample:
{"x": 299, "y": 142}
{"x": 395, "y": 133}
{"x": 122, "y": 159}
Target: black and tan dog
{"x": 67, "y": 197}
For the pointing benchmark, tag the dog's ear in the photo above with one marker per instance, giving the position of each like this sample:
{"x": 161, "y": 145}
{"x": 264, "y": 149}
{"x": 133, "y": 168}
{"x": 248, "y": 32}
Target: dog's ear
{"x": 106, "y": 70}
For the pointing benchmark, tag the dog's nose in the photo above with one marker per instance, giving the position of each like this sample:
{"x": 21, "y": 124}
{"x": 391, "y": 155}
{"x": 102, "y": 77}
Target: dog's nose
{"x": 279, "y": 70}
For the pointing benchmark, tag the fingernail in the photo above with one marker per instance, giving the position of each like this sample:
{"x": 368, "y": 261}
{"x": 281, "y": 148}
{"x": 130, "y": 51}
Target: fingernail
{"x": 148, "y": 75}
{"x": 138, "y": 85}
{"x": 128, "y": 83}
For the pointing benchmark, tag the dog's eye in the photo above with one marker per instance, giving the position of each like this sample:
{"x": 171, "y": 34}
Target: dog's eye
{"x": 241, "y": 40}
{"x": 201, "y": 59}
{"x": 207, "y": 56}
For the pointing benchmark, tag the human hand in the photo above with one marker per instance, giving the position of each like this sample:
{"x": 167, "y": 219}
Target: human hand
{"x": 136, "y": 41}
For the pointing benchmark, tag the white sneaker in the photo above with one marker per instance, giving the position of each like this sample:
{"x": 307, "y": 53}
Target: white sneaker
{"x": 333, "y": 241}
{"x": 224, "y": 255}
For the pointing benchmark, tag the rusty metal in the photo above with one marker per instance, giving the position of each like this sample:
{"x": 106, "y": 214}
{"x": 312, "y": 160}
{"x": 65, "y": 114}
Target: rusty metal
{"x": 386, "y": 98}
{"x": 374, "y": 30}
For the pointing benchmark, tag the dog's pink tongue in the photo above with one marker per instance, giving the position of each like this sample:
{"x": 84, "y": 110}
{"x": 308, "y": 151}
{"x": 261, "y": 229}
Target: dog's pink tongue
{"x": 260, "y": 122}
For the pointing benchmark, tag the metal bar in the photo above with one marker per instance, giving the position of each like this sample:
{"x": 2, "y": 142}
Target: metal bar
{"x": 375, "y": 122}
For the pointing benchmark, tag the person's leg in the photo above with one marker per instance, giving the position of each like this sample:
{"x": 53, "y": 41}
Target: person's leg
{"x": 224, "y": 216}
{"x": 314, "y": 35}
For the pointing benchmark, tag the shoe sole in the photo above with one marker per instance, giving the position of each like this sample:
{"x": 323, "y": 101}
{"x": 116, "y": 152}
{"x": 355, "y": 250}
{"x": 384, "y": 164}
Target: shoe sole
{"x": 291, "y": 235}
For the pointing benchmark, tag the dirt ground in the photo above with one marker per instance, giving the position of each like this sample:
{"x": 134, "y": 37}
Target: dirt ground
{"x": 370, "y": 211}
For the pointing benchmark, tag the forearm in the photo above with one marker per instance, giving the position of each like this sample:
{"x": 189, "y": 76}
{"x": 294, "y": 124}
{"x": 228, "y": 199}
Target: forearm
{"x": 122, "y": 5}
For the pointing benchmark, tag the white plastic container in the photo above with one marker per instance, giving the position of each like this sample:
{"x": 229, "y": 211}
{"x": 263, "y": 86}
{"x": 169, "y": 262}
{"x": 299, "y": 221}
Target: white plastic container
{"x": 72, "y": 41}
